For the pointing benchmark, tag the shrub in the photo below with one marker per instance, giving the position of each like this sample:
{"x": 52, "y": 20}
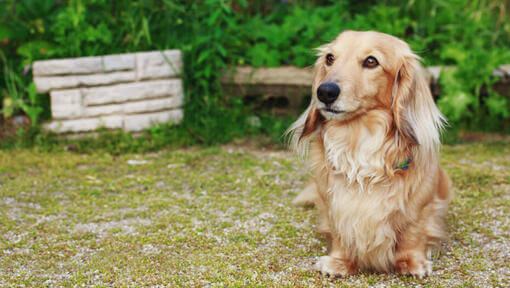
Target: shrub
{"x": 34, "y": 30}
{"x": 474, "y": 35}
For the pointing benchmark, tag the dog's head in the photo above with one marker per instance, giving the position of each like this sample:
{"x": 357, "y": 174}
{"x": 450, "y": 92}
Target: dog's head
{"x": 362, "y": 71}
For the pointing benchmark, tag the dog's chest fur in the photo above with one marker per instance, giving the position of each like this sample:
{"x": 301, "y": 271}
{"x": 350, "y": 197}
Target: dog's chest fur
{"x": 362, "y": 199}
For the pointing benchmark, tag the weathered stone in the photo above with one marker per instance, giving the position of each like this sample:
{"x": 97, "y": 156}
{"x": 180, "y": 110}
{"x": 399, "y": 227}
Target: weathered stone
{"x": 294, "y": 76}
{"x": 44, "y": 84}
{"x": 152, "y": 105}
{"x": 92, "y": 111}
{"x": 134, "y": 107}
{"x": 137, "y": 122}
{"x": 285, "y": 75}
{"x": 119, "y": 62}
{"x": 66, "y": 104}
{"x": 157, "y": 64}
{"x": 112, "y": 91}
{"x": 83, "y": 65}
{"x": 505, "y": 69}
{"x": 434, "y": 71}
{"x": 86, "y": 124}
{"x": 498, "y": 73}
{"x": 132, "y": 91}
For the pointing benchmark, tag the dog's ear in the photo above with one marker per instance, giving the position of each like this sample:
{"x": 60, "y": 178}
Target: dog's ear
{"x": 297, "y": 135}
{"x": 416, "y": 117}
{"x": 313, "y": 116}
{"x": 404, "y": 92}
{"x": 312, "y": 122}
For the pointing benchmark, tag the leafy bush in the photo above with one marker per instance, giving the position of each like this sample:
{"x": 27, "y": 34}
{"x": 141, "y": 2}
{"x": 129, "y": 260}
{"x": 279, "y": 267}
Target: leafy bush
{"x": 474, "y": 35}
{"x": 34, "y": 30}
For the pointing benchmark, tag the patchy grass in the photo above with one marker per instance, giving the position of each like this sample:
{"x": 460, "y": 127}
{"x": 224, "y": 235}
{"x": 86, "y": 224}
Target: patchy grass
{"x": 220, "y": 216}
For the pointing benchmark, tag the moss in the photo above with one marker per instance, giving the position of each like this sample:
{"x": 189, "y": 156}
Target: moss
{"x": 188, "y": 217}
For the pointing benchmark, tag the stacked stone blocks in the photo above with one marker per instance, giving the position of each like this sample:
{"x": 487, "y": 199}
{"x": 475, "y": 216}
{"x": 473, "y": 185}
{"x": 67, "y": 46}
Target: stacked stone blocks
{"x": 127, "y": 91}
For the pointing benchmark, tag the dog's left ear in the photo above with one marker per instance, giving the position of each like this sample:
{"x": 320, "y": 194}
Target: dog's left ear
{"x": 417, "y": 119}
{"x": 403, "y": 93}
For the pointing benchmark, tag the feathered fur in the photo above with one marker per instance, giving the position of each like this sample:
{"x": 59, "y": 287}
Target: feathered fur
{"x": 374, "y": 215}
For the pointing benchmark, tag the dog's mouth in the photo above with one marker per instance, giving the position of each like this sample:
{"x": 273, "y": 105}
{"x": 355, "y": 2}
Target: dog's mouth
{"x": 334, "y": 111}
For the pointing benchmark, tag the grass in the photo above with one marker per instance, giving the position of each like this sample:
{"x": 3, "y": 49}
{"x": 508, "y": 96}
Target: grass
{"x": 218, "y": 216}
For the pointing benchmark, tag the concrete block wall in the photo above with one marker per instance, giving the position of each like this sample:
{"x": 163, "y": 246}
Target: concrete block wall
{"x": 127, "y": 91}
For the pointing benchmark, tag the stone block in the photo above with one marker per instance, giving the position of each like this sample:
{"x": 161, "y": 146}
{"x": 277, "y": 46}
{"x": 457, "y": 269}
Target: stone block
{"x": 284, "y": 75}
{"x": 66, "y": 104}
{"x": 152, "y": 105}
{"x": 85, "y": 124}
{"x": 125, "y": 91}
{"x": 153, "y": 65}
{"x": 132, "y": 91}
{"x": 434, "y": 72}
{"x": 505, "y": 69}
{"x": 83, "y": 65}
{"x": 119, "y": 62}
{"x": 138, "y": 122}
{"x": 93, "y": 111}
{"x": 45, "y": 84}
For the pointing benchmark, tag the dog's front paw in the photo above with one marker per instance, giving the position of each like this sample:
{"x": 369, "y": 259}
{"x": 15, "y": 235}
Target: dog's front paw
{"x": 331, "y": 266}
{"x": 418, "y": 268}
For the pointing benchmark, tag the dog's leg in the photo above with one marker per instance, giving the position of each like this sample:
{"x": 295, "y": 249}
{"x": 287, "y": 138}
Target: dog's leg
{"x": 336, "y": 263}
{"x": 412, "y": 259}
{"x": 308, "y": 196}
{"x": 412, "y": 250}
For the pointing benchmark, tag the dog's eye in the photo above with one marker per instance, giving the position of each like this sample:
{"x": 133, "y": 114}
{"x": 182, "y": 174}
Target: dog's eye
{"x": 370, "y": 62}
{"x": 330, "y": 59}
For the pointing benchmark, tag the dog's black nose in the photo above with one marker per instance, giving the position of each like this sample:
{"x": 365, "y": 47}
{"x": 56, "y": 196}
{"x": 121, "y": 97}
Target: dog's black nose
{"x": 328, "y": 92}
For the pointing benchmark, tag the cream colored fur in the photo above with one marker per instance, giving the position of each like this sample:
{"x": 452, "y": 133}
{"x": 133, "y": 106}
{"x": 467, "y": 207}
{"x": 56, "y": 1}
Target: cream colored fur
{"x": 375, "y": 216}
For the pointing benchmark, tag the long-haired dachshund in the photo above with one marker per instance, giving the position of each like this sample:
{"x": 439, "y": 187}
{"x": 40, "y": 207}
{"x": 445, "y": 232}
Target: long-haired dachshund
{"x": 371, "y": 136}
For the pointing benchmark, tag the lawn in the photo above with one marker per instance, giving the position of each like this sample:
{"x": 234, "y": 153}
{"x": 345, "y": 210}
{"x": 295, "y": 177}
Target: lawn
{"x": 219, "y": 216}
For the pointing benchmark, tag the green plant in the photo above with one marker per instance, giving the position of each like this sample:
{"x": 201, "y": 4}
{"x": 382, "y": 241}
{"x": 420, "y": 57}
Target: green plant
{"x": 203, "y": 31}
{"x": 211, "y": 116}
{"x": 468, "y": 99}
{"x": 20, "y": 96}
{"x": 474, "y": 35}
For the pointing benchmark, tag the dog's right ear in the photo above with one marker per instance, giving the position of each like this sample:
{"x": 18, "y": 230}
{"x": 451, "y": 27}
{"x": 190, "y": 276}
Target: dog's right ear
{"x": 297, "y": 136}
{"x": 313, "y": 120}
{"x": 310, "y": 120}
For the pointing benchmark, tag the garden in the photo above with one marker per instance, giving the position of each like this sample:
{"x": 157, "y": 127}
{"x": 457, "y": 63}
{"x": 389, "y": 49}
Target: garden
{"x": 207, "y": 201}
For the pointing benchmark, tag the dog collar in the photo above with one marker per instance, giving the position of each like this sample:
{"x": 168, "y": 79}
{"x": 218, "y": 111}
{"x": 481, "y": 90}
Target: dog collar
{"x": 404, "y": 165}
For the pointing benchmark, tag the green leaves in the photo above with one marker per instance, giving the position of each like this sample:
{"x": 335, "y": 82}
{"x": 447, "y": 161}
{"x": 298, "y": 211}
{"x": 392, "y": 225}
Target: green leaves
{"x": 213, "y": 34}
{"x": 261, "y": 55}
{"x": 34, "y": 50}
{"x": 32, "y": 109}
{"x": 145, "y": 29}
{"x": 498, "y": 105}
{"x": 18, "y": 96}
{"x": 5, "y": 32}
{"x": 468, "y": 99}
{"x": 454, "y": 100}
{"x": 77, "y": 34}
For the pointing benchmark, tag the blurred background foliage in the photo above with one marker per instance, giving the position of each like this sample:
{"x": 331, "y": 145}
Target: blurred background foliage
{"x": 474, "y": 35}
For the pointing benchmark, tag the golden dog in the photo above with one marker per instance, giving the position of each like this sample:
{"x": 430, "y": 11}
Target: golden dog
{"x": 371, "y": 136}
